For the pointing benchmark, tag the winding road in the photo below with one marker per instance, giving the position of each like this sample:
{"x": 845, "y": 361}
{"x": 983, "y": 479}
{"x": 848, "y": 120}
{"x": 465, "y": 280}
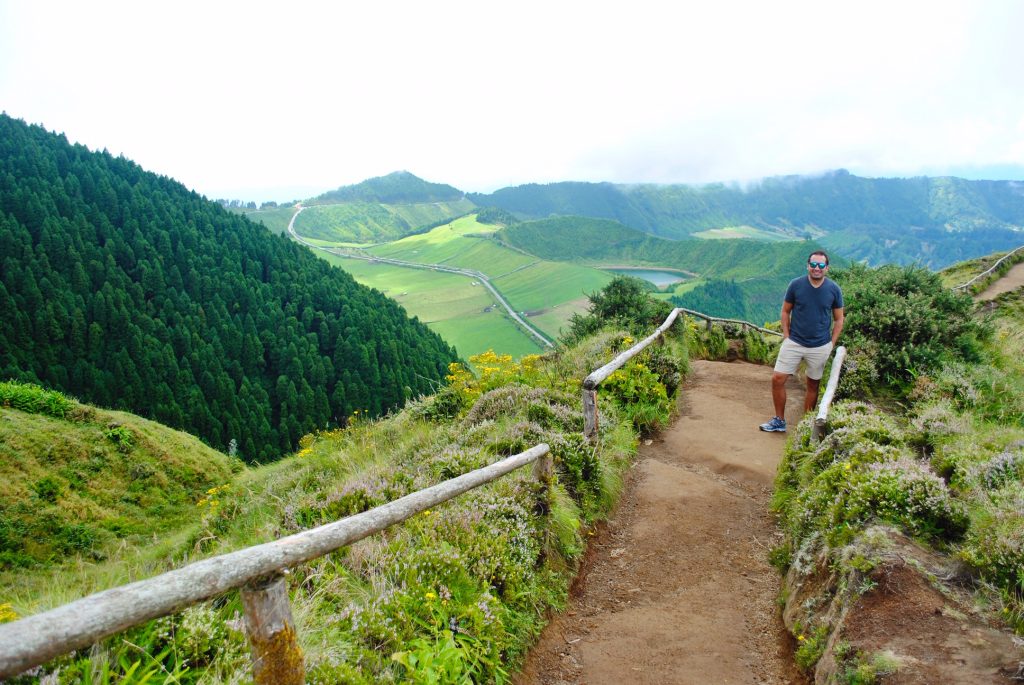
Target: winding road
{"x": 470, "y": 273}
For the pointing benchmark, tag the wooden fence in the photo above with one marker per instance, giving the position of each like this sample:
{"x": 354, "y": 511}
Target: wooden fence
{"x": 989, "y": 270}
{"x": 257, "y": 571}
{"x": 820, "y": 421}
{"x": 590, "y": 383}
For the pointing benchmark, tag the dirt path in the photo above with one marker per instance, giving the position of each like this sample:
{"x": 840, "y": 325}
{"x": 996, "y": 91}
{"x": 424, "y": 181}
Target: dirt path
{"x": 677, "y": 587}
{"x": 1013, "y": 279}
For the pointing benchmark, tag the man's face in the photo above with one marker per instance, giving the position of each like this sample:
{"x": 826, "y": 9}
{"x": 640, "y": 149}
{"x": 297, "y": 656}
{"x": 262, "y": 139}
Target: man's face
{"x": 817, "y": 265}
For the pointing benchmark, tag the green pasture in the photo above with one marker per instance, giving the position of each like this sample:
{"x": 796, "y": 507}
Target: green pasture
{"x": 275, "y": 219}
{"x": 448, "y": 303}
{"x": 681, "y": 288}
{"x": 545, "y": 284}
{"x": 554, "y": 320}
{"x": 426, "y": 213}
{"x": 529, "y": 284}
{"x": 736, "y": 232}
{"x": 457, "y": 244}
{"x": 371, "y": 222}
{"x": 359, "y": 222}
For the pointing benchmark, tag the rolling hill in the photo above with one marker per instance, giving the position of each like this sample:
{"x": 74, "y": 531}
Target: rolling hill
{"x": 931, "y": 221}
{"x": 741, "y": 279}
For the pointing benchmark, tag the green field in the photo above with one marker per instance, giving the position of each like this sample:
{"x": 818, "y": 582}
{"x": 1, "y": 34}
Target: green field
{"x": 735, "y": 232}
{"x": 370, "y": 222}
{"x": 548, "y": 293}
{"x": 545, "y": 284}
{"x": 538, "y": 287}
{"x": 448, "y": 303}
{"x": 275, "y": 219}
{"x": 461, "y": 243}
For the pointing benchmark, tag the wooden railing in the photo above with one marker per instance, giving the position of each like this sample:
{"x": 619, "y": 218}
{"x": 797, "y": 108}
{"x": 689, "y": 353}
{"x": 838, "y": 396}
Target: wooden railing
{"x": 989, "y": 270}
{"x": 590, "y": 418}
{"x": 745, "y": 325}
{"x": 820, "y": 421}
{"x": 257, "y": 571}
{"x": 590, "y": 383}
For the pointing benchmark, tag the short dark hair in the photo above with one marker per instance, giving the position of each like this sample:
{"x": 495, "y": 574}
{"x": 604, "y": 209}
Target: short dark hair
{"x": 822, "y": 253}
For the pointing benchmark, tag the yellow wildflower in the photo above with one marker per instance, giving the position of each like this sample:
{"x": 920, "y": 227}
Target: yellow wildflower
{"x": 430, "y": 596}
{"x": 7, "y": 613}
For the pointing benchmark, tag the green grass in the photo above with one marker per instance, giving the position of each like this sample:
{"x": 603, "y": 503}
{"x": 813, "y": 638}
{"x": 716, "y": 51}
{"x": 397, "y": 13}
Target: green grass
{"x": 555, "y": 320}
{"x": 369, "y": 222}
{"x": 95, "y": 483}
{"x": 448, "y": 304}
{"x": 275, "y": 219}
{"x": 738, "y": 232}
{"x": 540, "y": 288}
{"x": 544, "y": 284}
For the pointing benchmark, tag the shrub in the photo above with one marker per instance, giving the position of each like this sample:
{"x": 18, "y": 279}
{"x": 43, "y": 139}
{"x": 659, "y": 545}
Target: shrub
{"x": 624, "y": 302}
{"x": 995, "y": 543}
{"x": 842, "y": 499}
{"x": 907, "y": 323}
{"x": 640, "y": 395}
{"x": 31, "y": 398}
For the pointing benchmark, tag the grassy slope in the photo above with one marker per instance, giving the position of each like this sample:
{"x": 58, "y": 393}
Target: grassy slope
{"x": 71, "y": 494}
{"x": 370, "y": 222}
{"x": 275, "y": 219}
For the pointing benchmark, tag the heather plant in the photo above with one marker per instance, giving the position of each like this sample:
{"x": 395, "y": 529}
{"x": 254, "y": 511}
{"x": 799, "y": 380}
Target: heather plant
{"x": 902, "y": 323}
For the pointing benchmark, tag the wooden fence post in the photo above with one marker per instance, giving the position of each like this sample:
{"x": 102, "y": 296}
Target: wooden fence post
{"x": 543, "y": 473}
{"x": 818, "y": 430}
{"x": 276, "y": 655}
{"x": 589, "y": 413}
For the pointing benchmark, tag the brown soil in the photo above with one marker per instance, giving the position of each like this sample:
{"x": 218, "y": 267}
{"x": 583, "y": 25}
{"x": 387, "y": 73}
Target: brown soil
{"x": 677, "y": 587}
{"x": 1013, "y": 279}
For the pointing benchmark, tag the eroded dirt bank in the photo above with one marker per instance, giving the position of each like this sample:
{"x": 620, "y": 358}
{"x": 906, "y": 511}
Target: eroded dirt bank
{"x": 678, "y": 588}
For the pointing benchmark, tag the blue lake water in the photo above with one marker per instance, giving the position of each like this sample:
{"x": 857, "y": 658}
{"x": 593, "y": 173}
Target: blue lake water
{"x": 658, "y": 278}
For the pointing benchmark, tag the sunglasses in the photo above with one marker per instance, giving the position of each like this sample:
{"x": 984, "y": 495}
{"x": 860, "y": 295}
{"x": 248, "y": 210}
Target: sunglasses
{"x": 817, "y": 265}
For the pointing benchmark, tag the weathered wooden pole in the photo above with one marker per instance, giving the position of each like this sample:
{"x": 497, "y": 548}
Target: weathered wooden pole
{"x": 589, "y": 413}
{"x": 276, "y": 655}
{"x": 818, "y": 430}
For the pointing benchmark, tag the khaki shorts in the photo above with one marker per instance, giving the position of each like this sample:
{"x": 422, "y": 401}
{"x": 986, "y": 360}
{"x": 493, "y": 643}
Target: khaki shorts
{"x": 791, "y": 354}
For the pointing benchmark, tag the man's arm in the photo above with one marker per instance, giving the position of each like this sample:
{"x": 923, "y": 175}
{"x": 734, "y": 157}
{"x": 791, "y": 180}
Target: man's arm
{"x": 787, "y": 307}
{"x": 838, "y": 318}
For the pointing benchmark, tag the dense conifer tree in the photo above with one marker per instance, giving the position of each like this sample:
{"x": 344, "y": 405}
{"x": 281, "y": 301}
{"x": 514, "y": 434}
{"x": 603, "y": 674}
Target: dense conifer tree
{"x": 126, "y": 290}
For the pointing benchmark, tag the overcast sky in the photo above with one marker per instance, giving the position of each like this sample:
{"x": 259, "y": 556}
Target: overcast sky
{"x": 284, "y": 100}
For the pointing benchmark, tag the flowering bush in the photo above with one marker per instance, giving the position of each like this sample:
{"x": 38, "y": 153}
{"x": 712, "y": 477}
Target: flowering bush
{"x": 904, "y": 491}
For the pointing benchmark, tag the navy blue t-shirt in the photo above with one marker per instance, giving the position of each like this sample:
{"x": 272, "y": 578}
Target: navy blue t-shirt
{"x": 810, "y": 322}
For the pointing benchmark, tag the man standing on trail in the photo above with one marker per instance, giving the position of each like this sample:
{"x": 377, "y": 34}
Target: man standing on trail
{"x": 812, "y": 305}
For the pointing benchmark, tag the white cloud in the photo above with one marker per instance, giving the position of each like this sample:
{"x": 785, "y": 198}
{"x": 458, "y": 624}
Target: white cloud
{"x": 235, "y": 99}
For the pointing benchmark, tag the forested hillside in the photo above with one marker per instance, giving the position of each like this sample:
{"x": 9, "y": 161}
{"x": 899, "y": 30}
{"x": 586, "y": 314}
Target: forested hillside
{"x": 745, "y": 278}
{"x": 932, "y": 221}
{"x": 126, "y": 290}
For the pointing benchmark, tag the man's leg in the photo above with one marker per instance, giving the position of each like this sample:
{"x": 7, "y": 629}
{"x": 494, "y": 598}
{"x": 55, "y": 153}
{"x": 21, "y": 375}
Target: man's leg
{"x": 812, "y": 394}
{"x": 779, "y": 392}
